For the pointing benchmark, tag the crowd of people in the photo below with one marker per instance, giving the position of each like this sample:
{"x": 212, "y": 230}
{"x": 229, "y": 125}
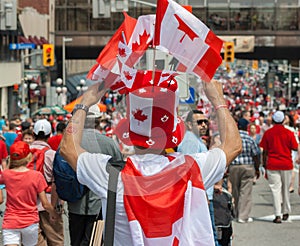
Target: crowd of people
{"x": 224, "y": 152}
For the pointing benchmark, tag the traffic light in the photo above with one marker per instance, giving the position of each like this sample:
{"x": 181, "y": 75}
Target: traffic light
{"x": 255, "y": 64}
{"x": 48, "y": 55}
{"x": 229, "y": 52}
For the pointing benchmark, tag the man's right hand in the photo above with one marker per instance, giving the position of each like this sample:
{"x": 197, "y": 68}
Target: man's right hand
{"x": 93, "y": 94}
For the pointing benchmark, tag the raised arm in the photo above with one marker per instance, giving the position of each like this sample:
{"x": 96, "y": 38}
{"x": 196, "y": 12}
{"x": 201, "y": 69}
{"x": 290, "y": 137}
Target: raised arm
{"x": 231, "y": 142}
{"x": 70, "y": 147}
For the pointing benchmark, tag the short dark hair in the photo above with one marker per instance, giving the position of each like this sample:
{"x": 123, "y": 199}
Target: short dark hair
{"x": 60, "y": 127}
{"x": 189, "y": 117}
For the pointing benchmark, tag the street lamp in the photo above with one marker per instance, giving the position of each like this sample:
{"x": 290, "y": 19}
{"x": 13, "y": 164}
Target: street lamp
{"x": 82, "y": 86}
{"x": 30, "y": 85}
{"x": 64, "y": 40}
{"x": 61, "y": 90}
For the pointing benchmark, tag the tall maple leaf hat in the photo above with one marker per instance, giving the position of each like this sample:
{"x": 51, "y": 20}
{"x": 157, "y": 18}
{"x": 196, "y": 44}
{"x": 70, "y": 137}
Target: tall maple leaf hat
{"x": 152, "y": 120}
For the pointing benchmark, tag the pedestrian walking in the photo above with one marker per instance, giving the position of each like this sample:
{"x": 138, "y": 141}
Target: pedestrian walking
{"x": 51, "y": 234}
{"x": 155, "y": 192}
{"x": 278, "y": 143}
{"x": 23, "y": 186}
{"x": 242, "y": 172}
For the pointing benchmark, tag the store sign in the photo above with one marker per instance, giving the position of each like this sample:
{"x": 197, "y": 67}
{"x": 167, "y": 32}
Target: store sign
{"x": 242, "y": 44}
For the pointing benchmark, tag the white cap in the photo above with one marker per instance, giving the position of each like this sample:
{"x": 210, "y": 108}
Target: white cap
{"x": 42, "y": 126}
{"x": 278, "y": 117}
{"x": 94, "y": 112}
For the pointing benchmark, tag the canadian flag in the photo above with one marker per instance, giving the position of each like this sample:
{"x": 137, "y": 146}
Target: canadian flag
{"x": 108, "y": 56}
{"x": 168, "y": 207}
{"x": 188, "y": 39}
{"x": 126, "y": 46}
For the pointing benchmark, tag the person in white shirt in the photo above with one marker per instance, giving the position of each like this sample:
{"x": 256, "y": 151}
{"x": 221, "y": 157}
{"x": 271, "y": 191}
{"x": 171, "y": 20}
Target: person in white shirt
{"x": 156, "y": 193}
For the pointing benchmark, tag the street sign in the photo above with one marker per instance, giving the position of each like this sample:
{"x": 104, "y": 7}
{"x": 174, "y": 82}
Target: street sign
{"x": 21, "y": 46}
{"x": 190, "y": 99}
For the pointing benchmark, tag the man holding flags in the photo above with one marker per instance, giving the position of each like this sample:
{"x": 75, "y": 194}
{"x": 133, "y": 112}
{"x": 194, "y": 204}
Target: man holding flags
{"x": 161, "y": 197}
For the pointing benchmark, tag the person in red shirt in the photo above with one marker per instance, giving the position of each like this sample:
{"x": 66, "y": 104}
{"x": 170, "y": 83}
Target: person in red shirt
{"x": 54, "y": 141}
{"x": 278, "y": 143}
{"x": 23, "y": 186}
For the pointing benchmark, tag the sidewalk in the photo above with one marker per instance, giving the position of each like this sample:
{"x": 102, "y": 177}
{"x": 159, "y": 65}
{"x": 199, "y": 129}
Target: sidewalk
{"x": 262, "y": 231}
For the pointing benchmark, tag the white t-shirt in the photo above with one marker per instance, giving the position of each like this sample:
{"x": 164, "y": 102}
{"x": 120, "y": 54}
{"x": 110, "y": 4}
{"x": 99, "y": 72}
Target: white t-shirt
{"x": 91, "y": 171}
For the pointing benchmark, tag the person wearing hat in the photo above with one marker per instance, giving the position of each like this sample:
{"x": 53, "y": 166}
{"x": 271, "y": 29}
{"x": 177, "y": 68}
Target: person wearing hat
{"x": 23, "y": 186}
{"x": 52, "y": 233}
{"x": 278, "y": 143}
{"x": 156, "y": 193}
{"x": 242, "y": 171}
{"x": 83, "y": 212}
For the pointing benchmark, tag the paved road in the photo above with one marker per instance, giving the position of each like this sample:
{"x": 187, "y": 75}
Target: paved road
{"x": 262, "y": 231}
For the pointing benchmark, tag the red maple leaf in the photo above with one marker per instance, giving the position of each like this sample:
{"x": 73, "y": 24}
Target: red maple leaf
{"x": 138, "y": 115}
{"x": 143, "y": 42}
{"x": 122, "y": 52}
{"x": 186, "y": 29}
{"x": 127, "y": 75}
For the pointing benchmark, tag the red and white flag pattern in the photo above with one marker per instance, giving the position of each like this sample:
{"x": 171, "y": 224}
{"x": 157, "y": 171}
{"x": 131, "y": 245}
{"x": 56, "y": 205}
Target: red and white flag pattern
{"x": 126, "y": 47}
{"x": 188, "y": 39}
{"x": 168, "y": 207}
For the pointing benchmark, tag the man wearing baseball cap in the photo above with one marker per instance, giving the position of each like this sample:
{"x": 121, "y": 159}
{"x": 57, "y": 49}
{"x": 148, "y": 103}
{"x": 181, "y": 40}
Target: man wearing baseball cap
{"x": 278, "y": 143}
{"x": 49, "y": 232}
{"x": 161, "y": 197}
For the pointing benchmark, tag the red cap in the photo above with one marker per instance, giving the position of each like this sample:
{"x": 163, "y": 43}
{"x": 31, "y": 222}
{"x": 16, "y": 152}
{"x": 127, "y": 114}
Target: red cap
{"x": 19, "y": 150}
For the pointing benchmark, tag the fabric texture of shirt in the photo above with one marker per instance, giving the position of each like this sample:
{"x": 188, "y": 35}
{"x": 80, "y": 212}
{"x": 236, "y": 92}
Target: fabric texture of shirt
{"x": 279, "y": 142}
{"x": 10, "y": 138}
{"x": 250, "y": 149}
{"x": 91, "y": 171}
{"x": 3, "y": 150}
{"x": 54, "y": 141}
{"x": 191, "y": 144}
{"x": 22, "y": 190}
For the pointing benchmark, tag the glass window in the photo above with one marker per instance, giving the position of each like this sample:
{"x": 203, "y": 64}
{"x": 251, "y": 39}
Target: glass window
{"x": 200, "y": 13}
{"x": 265, "y": 19}
{"x": 196, "y": 3}
{"x": 218, "y": 18}
{"x": 217, "y": 3}
{"x": 287, "y": 19}
{"x": 240, "y": 18}
{"x": 294, "y": 3}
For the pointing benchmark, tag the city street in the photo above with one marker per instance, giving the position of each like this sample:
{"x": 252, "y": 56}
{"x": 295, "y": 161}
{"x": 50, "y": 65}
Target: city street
{"x": 262, "y": 231}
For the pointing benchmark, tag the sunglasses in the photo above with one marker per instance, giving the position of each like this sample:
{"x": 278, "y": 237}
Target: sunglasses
{"x": 200, "y": 122}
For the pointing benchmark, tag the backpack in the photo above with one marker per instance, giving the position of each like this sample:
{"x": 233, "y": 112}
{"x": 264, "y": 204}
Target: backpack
{"x": 68, "y": 187}
{"x": 37, "y": 163}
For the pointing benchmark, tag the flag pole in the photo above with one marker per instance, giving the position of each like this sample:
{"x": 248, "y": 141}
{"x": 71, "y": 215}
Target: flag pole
{"x": 154, "y": 56}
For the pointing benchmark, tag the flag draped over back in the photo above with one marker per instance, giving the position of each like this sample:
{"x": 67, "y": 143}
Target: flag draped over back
{"x": 188, "y": 39}
{"x": 168, "y": 207}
